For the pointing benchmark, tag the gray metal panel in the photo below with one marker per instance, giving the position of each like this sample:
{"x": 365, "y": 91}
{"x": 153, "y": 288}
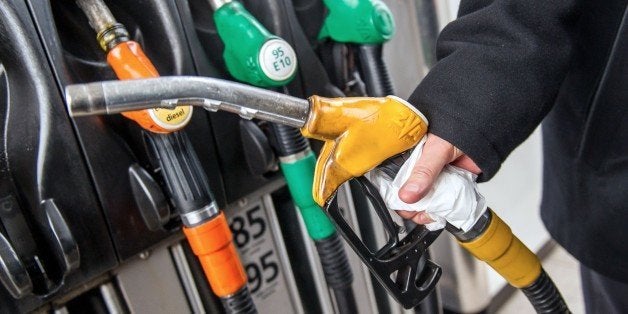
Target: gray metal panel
{"x": 151, "y": 284}
{"x": 257, "y": 236}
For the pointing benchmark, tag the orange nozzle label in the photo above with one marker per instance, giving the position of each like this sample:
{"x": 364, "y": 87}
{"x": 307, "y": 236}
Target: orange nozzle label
{"x": 128, "y": 61}
{"x": 212, "y": 243}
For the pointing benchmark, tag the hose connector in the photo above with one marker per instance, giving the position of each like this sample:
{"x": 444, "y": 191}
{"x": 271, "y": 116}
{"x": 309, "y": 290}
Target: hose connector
{"x": 112, "y": 36}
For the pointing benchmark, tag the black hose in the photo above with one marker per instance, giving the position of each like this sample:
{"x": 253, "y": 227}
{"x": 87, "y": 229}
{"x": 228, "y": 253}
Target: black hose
{"x": 544, "y": 296}
{"x": 288, "y": 140}
{"x": 373, "y": 71}
{"x": 337, "y": 272}
{"x": 239, "y": 303}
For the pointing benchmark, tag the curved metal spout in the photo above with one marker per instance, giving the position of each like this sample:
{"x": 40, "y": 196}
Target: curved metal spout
{"x": 249, "y": 102}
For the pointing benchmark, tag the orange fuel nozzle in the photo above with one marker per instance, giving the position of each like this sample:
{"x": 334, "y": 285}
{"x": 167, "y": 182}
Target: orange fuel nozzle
{"x": 128, "y": 61}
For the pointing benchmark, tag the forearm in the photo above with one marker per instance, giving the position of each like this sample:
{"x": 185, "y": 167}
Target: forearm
{"x": 499, "y": 70}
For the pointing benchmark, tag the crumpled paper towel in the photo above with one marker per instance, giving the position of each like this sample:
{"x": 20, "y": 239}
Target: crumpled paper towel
{"x": 454, "y": 198}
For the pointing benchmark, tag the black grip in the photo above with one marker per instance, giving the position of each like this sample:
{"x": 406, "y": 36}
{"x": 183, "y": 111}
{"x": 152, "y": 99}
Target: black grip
{"x": 392, "y": 165}
{"x": 544, "y": 296}
{"x": 373, "y": 71}
{"x": 240, "y": 302}
{"x": 183, "y": 174}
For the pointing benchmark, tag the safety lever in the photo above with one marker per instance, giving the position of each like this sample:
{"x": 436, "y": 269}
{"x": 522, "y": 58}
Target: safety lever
{"x": 397, "y": 265}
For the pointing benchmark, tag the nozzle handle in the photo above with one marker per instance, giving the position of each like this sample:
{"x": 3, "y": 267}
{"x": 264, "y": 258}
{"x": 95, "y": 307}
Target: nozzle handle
{"x": 185, "y": 178}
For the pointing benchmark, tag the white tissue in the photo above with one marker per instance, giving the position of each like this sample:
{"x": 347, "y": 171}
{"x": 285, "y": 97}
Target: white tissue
{"x": 454, "y": 198}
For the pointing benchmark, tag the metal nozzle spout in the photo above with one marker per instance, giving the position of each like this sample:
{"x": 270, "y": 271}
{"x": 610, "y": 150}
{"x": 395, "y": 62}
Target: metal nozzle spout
{"x": 249, "y": 102}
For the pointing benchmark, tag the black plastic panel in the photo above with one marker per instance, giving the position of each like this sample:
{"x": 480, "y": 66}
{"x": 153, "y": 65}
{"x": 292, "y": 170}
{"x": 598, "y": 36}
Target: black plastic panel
{"x": 43, "y": 173}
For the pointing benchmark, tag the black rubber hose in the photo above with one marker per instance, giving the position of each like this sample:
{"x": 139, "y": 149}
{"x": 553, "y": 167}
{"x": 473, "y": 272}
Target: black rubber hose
{"x": 288, "y": 140}
{"x": 544, "y": 296}
{"x": 373, "y": 71}
{"x": 337, "y": 272}
{"x": 239, "y": 303}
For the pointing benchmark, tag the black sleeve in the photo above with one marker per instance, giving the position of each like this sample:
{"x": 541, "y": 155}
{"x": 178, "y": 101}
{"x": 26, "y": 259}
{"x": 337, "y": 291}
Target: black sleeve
{"x": 500, "y": 66}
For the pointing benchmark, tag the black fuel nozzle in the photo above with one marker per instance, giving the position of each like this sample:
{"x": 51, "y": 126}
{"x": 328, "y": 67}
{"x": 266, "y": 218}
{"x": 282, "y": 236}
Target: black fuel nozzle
{"x": 396, "y": 265}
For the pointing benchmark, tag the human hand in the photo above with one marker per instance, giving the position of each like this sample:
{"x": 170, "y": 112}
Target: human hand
{"x": 437, "y": 153}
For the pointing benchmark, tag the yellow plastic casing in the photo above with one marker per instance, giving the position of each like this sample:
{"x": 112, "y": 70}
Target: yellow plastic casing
{"x": 359, "y": 134}
{"x": 505, "y": 253}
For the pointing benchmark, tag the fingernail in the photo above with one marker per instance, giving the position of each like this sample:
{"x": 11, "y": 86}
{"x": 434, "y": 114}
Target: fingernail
{"x": 412, "y": 187}
{"x": 422, "y": 217}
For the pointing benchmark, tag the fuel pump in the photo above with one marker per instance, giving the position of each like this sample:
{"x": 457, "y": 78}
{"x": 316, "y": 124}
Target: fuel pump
{"x": 205, "y": 226}
{"x": 371, "y": 129}
{"x": 356, "y": 31}
{"x": 255, "y": 56}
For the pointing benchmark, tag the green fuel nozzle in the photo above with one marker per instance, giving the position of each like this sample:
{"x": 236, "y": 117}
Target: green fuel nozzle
{"x": 276, "y": 65}
{"x": 252, "y": 54}
{"x": 358, "y": 22}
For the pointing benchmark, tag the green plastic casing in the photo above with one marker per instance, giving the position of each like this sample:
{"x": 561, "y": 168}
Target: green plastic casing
{"x": 300, "y": 177}
{"x": 358, "y": 22}
{"x": 244, "y": 37}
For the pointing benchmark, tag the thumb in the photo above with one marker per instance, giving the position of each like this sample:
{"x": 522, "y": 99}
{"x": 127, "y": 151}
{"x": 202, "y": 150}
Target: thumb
{"x": 436, "y": 154}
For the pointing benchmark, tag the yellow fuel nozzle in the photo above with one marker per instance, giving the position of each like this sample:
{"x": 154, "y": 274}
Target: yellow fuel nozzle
{"x": 359, "y": 134}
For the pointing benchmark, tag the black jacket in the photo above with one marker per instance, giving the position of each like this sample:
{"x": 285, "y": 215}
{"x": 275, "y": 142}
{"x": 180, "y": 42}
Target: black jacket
{"x": 504, "y": 66}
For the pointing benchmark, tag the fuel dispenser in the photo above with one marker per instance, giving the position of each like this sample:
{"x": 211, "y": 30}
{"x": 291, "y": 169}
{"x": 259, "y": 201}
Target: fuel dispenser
{"x": 92, "y": 235}
{"x": 205, "y": 227}
{"x": 391, "y": 127}
{"x": 122, "y": 158}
